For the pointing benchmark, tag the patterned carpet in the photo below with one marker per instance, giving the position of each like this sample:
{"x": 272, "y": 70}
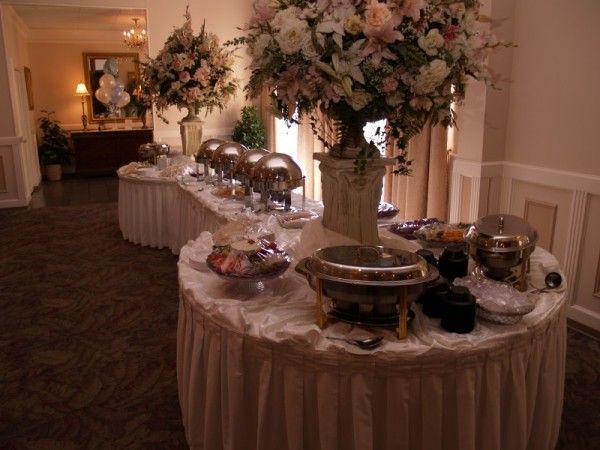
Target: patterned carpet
{"x": 87, "y": 339}
{"x": 87, "y": 334}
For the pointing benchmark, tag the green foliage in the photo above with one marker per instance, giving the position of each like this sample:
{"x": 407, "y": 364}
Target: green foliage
{"x": 54, "y": 145}
{"x": 249, "y": 130}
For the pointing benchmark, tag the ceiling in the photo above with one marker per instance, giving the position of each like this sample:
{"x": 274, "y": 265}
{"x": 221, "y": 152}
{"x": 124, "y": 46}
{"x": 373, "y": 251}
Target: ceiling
{"x": 39, "y": 18}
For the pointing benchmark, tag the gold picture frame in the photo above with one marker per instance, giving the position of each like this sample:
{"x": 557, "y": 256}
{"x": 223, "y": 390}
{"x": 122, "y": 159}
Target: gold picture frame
{"x": 27, "y": 74}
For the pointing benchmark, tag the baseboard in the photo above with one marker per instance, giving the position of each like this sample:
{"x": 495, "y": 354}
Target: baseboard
{"x": 15, "y": 203}
{"x": 579, "y": 327}
{"x": 584, "y": 316}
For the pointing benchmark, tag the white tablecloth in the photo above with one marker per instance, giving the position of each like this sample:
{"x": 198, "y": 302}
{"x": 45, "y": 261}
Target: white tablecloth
{"x": 255, "y": 372}
{"x": 197, "y": 210}
{"x": 147, "y": 208}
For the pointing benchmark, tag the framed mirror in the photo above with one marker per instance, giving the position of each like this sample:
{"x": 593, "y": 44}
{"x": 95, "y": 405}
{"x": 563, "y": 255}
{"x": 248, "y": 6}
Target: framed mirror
{"x": 126, "y": 68}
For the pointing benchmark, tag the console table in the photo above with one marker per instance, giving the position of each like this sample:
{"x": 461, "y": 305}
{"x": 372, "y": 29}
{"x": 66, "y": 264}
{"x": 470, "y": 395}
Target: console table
{"x": 103, "y": 152}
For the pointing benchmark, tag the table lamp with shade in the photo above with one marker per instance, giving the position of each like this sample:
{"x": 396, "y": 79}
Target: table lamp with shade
{"x": 81, "y": 90}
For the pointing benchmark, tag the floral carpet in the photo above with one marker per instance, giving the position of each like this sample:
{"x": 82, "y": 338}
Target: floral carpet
{"x": 87, "y": 339}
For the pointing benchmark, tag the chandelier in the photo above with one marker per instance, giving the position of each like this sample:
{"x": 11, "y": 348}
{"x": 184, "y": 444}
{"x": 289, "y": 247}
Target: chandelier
{"x": 135, "y": 37}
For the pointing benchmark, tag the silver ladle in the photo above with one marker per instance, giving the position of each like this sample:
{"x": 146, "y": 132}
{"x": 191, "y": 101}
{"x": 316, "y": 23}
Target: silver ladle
{"x": 553, "y": 280}
{"x": 366, "y": 343}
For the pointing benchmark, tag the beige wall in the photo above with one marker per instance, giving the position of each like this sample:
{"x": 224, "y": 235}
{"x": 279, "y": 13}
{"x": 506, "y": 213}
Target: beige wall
{"x": 555, "y": 90}
{"x": 56, "y": 68}
{"x": 222, "y": 17}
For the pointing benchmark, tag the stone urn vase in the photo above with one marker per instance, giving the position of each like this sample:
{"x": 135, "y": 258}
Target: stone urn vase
{"x": 190, "y": 128}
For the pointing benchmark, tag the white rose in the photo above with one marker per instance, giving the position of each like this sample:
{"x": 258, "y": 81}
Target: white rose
{"x": 431, "y": 42}
{"x": 292, "y": 36}
{"x": 470, "y": 21}
{"x": 359, "y": 100}
{"x": 283, "y": 16}
{"x": 394, "y": 99}
{"x": 431, "y": 76}
{"x": 308, "y": 50}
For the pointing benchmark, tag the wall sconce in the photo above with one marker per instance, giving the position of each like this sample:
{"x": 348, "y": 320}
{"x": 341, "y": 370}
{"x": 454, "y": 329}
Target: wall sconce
{"x": 82, "y": 91}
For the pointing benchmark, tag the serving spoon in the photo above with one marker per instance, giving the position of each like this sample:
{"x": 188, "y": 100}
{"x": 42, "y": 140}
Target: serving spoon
{"x": 366, "y": 343}
{"x": 553, "y": 280}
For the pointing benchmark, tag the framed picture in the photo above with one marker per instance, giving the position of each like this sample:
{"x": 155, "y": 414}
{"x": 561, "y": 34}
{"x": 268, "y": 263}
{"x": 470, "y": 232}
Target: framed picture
{"x": 27, "y": 74}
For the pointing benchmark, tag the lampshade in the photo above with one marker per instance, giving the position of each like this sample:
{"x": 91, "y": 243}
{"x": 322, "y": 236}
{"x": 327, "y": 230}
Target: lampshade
{"x": 81, "y": 89}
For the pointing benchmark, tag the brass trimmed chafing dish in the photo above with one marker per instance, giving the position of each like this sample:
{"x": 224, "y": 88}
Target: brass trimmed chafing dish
{"x": 149, "y": 151}
{"x": 243, "y": 171}
{"x": 500, "y": 242}
{"x": 205, "y": 153}
{"x": 275, "y": 176}
{"x": 225, "y": 157}
{"x": 372, "y": 281}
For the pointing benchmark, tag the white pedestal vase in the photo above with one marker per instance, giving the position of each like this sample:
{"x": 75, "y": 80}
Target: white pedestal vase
{"x": 190, "y": 128}
{"x": 350, "y": 200}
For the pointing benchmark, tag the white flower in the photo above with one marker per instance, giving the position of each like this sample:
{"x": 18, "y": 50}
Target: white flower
{"x": 283, "y": 16}
{"x": 292, "y": 36}
{"x": 308, "y": 50}
{"x": 470, "y": 21}
{"x": 430, "y": 76}
{"x": 258, "y": 47}
{"x": 431, "y": 42}
{"x": 421, "y": 103}
{"x": 394, "y": 99}
{"x": 358, "y": 100}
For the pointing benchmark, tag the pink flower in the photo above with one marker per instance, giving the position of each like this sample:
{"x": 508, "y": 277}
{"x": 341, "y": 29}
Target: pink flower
{"x": 202, "y": 74}
{"x": 412, "y": 9}
{"x": 451, "y": 32}
{"x": 263, "y": 10}
{"x": 178, "y": 64}
{"x": 381, "y": 23}
{"x": 389, "y": 84}
{"x": 184, "y": 76}
{"x": 378, "y": 51}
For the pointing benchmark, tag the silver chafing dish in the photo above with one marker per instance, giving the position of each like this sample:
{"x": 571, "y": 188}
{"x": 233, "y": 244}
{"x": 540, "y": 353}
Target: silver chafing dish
{"x": 205, "y": 153}
{"x": 151, "y": 150}
{"x": 501, "y": 242}
{"x": 367, "y": 284}
{"x": 244, "y": 168}
{"x": 275, "y": 176}
{"x": 225, "y": 157}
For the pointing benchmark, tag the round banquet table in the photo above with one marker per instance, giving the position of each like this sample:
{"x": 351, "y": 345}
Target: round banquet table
{"x": 147, "y": 206}
{"x": 255, "y": 372}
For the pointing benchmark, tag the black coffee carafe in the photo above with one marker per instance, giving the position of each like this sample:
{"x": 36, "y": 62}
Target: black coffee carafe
{"x": 458, "y": 314}
{"x": 453, "y": 262}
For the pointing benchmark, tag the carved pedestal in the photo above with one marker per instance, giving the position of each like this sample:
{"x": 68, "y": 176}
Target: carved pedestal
{"x": 351, "y": 200}
{"x": 190, "y": 128}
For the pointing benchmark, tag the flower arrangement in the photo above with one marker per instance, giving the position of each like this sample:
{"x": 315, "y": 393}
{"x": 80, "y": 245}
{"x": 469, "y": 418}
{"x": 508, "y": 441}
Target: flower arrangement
{"x": 191, "y": 71}
{"x": 356, "y": 61}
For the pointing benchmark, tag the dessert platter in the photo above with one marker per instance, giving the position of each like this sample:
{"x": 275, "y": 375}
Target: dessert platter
{"x": 386, "y": 211}
{"x": 407, "y": 228}
{"x": 442, "y": 234}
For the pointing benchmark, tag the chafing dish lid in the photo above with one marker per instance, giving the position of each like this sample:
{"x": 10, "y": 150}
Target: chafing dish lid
{"x": 372, "y": 265}
{"x": 228, "y": 152}
{"x": 501, "y": 233}
{"x": 277, "y": 167}
{"x": 207, "y": 148}
{"x": 154, "y": 146}
{"x": 248, "y": 160}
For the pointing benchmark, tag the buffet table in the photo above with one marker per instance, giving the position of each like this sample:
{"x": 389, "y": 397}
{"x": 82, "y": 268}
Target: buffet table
{"x": 254, "y": 371}
{"x": 147, "y": 208}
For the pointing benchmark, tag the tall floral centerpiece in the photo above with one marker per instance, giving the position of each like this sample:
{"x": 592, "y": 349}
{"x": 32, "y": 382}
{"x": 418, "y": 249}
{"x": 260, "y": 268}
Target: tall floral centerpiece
{"x": 356, "y": 61}
{"x": 193, "y": 72}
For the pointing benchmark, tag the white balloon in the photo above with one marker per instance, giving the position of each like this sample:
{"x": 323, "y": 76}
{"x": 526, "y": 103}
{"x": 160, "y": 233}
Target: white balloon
{"x": 124, "y": 100}
{"x": 115, "y": 95}
{"x": 107, "y": 80}
{"x": 102, "y": 95}
{"x": 119, "y": 84}
{"x": 111, "y": 66}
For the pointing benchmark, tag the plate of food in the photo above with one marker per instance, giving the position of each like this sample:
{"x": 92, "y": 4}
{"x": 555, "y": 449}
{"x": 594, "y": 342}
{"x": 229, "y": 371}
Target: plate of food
{"x": 407, "y": 228}
{"x": 228, "y": 191}
{"x": 248, "y": 259}
{"x": 386, "y": 211}
{"x": 296, "y": 219}
{"x": 442, "y": 234}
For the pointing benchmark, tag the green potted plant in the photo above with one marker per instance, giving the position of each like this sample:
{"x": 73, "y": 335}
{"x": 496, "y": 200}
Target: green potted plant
{"x": 249, "y": 130}
{"x": 54, "y": 149}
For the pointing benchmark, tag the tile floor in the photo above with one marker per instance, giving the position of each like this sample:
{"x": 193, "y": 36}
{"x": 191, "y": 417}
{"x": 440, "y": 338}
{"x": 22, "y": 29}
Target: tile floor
{"x": 75, "y": 191}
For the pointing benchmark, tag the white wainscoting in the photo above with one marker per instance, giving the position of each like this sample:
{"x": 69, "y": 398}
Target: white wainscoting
{"x": 564, "y": 206}
{"x": 13, "y": 192}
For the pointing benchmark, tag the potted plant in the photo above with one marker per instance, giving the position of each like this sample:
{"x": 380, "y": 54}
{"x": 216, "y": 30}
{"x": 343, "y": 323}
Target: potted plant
{"x": 54, "y": 149}
{"x": 249, "y": 130}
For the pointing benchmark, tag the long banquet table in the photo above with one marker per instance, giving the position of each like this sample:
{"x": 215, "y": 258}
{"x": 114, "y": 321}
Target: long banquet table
{"x": 255, "y": 372}
{"x": 147, "y": 208}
